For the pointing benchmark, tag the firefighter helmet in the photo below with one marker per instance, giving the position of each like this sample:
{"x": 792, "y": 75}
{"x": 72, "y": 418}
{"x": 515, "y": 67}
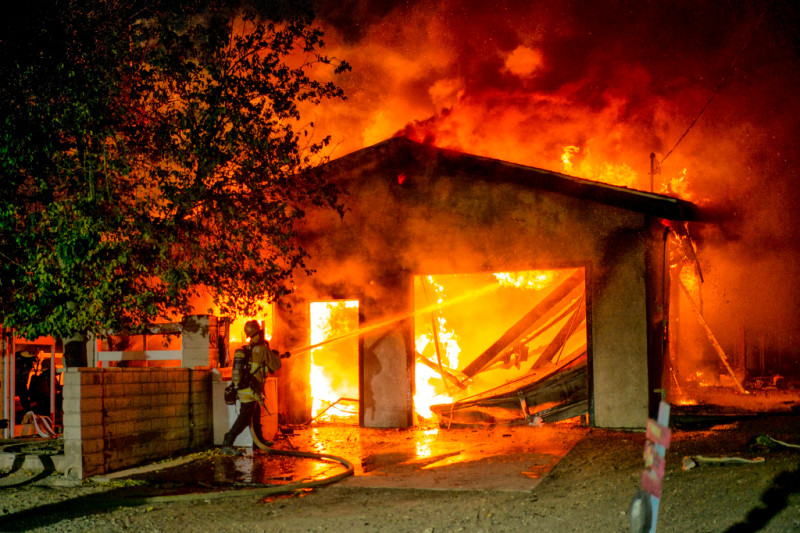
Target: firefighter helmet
{"x": 252, "y": 328}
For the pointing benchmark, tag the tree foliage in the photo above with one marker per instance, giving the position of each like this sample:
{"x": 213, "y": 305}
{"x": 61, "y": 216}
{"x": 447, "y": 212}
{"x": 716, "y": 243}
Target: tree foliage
{"x": 150, "y": 152}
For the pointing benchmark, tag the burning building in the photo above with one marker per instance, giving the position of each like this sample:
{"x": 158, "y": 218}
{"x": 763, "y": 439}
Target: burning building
{"x": 588, "y": 90}
{"x": 525, "y": 273}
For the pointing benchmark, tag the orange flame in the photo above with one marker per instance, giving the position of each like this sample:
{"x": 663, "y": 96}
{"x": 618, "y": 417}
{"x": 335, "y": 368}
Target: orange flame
{"x": 532, "y": 279}
{"x": 334, "y": 367}
{"x": 677, "y": 185}
{"x": 441, "y": 345}
{"x": 690, "y": 279}
{"x": 566, "y": 157}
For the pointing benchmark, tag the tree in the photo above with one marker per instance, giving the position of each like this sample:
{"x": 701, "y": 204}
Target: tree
{"x": 151, "y": 152}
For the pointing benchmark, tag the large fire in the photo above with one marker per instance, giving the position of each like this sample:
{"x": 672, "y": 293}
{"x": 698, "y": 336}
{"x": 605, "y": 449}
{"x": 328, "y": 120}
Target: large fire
{"x": 530, "y": 279}
{"x": 592, "y": 91}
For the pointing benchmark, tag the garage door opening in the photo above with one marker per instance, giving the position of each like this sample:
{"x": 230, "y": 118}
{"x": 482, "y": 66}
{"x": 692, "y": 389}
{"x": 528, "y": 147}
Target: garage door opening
{"x": 506, "y": 347}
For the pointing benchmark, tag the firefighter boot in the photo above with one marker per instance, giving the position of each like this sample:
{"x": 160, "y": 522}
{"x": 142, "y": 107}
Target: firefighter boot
{"x": 227, "y": 445}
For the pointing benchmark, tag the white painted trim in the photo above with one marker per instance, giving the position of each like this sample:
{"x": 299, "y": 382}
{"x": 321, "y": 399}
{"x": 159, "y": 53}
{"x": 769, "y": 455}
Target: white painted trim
{"x": 147, "y": 355}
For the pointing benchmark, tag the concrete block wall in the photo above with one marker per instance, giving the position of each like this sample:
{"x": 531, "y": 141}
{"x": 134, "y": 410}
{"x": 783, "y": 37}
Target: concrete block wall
{"x": 115, "y": 418}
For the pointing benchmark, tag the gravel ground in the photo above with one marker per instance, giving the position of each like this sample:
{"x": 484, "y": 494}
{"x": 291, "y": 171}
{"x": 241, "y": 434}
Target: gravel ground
{"x": 589, "y": 490}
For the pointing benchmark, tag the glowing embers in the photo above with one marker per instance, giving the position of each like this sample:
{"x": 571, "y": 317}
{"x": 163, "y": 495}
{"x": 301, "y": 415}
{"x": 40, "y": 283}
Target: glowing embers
{"x": 527, "y": 279}
{"x": 334, "y": 366}
{"x": 479, "y": 333}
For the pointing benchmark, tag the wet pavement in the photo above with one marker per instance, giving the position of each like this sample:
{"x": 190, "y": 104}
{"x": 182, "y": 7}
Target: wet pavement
{"x": 213, "y": 469}
{"x": 492, "y": 458}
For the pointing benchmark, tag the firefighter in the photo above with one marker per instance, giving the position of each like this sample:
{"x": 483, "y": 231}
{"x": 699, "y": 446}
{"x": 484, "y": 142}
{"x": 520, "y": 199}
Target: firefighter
{"x": 251, "y": 364}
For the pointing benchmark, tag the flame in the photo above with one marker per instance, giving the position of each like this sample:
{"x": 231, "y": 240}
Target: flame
{"x": 588, "y": 168}
{"x": 530, "y": 91}
{"x": 620, "y": 174}
{"x": 677, "y": 185}
{"x": 429, "y": 388}
{"x": 334, "y": 367}
{"x": 566, "y": 157}
{"x": 427, "y": 391}
{"x": 531, "y": 279}
{"x": 446, "y": 336}
{"x": 690, "y": 279}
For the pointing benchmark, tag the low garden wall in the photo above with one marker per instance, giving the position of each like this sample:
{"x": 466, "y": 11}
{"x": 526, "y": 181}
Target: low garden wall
{"x": 115, "y": 418}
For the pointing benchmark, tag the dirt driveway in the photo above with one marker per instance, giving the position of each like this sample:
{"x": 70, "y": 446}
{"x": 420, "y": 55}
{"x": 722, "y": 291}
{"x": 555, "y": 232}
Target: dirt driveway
{"x": 588, "y": 490}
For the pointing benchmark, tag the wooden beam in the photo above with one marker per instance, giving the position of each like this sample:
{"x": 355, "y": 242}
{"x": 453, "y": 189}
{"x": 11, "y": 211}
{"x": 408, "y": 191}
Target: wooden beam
{"x": 558, "y": 317}
{"x": 711, "y": 337}
{"x": 575, "y": 321}
{"x": 554, "y": 316}
{"x": 446, "y": 375}
{"x": 528, "y": 321}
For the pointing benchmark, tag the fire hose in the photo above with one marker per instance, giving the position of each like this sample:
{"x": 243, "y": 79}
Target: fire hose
{"x": 41, "y": 424}
{"x": 260, "y": 490}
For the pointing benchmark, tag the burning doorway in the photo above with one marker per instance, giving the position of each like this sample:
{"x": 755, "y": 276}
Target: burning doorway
{"x": 334, "y": 364}
{"x": 501, "y": 347}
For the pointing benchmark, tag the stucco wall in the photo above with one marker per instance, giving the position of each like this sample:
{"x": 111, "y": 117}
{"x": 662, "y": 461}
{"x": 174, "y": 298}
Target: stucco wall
{"x": 115, "y": 418}
{"x": 619, "y": 364}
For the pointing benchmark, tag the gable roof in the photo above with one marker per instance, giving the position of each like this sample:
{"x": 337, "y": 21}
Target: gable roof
{"x": 405, "y": 156}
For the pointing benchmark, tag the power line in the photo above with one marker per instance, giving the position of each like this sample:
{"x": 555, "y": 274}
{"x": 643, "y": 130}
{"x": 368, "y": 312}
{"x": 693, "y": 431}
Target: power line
{"x": 721, "y": 83}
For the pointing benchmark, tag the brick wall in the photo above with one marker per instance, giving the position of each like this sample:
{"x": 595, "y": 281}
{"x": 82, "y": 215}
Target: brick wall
{"x": 116, "y": 418}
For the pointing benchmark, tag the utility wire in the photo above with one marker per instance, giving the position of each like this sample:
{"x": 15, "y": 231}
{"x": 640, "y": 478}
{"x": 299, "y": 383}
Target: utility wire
{"x": 721, "y": 83}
